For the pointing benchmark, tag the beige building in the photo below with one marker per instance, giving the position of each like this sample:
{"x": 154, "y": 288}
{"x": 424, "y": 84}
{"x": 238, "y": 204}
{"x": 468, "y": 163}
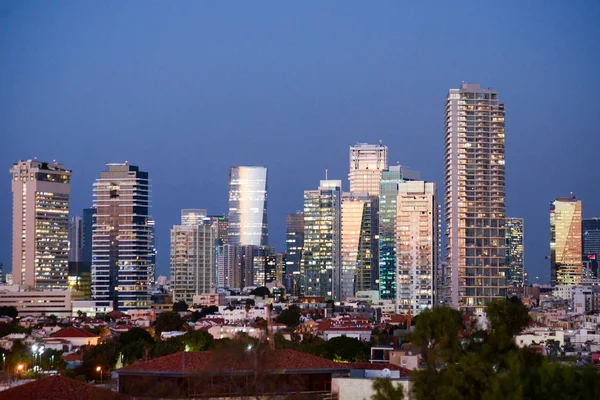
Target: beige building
{"x": 566, "y": 263}
{"x": 367, "y": 161}
{"x": 40, "y": 234}
{"x": 417, "y": 246}
{"x": 475, "y": 196}
{"x": 38, "y": 303}
{"x": 192, "y": 257}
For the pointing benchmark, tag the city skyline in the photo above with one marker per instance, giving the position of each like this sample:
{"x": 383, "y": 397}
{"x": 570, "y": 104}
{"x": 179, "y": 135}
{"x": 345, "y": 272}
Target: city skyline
{"x": 286, "y": 105}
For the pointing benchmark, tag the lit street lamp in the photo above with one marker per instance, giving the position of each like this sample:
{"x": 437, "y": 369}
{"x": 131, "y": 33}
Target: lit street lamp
{"x": 99, "y": 369}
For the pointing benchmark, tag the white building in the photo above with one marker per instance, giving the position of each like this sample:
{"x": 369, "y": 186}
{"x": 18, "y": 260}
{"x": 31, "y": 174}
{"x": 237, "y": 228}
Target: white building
{"x": 417, "y": 246}
{"x": 367, "y": 161}
{"x": 37, "y": 303}
{"x": 539, "y": 337}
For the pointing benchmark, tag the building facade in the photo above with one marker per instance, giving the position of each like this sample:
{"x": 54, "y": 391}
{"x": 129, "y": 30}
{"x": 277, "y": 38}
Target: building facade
{"x": 40, "y": 233}
{"x": 475, "y": 196}
{"x": 388, "y": 195}
{"x": 321, "y": 256}
{"x": 248, "y": 206}
{"x": 192, "y": 256}
{"x": 565, "y": 242}
{"x": 359, "y": 245}
{"x": 590, "y": 246}
{"x": 228, "y": 266}
{"x": 417, "y": 241}
{"x": 294, "y": 242}
{"x": 367, "y": 161}
{"x": 122, "y": 253}
{"x": 75, "y": 239}
{"x": 514, "y": 251}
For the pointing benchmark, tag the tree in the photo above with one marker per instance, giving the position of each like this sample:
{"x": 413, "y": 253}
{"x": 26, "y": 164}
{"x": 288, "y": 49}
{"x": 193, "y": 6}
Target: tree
{"x": 9, "y": 311}
{"x": 436, "y": 334}
{"x": 134, "y": 335}
{"x": 103, "y": 355}
{"x": 198, "y": 341}
{"x": 210, "y": 310}
{"x": 136, "y": 350}
{"x": 385, "y": 390}
{"x": 290, "y": 316}
{"x": 345, "y": 349}
{"x": 506, "y": 319}
{"x": 167, "y": 321}
{"x": 166, "y": 347}
{"x": 180, "y": 306}
{"x": 51, "y": 360}
{"x": 261, "y": 291}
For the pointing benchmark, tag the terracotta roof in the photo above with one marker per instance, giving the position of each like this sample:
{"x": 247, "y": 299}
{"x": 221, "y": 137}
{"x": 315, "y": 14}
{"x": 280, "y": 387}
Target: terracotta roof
{"x": 59, "y": 388}
{"x": 215, "y": 361}
{"x": 72, "y": 332}
{"x": 72, "y": 357}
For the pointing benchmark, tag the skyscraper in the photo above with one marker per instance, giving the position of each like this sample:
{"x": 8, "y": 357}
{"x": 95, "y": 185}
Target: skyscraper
{"x": 40, "y": 233}
{"x": 367, "y": 161}
{"x": 122, "y": 245}
{"x": 229, "y": 270}
{"x": 192, "y": 256}
{"x": 248, "y": 206}
{"x": 474, "y": 196}
{"x": 565, "y": 241}
{"x": 294, "y": 240}
{"x": 88, "y": 229}
{"x": 359, "y": 243}
{"x": 514, "y": 252}
{"x": 76, "y": 239}
{"x": 591, "y": 245}
{"x": 388, "y": 195}
{"x": 321, "y": 258}
{"x": 417, "y": 241}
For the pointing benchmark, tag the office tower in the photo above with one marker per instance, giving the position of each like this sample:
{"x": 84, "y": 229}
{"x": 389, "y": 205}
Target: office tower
{"x": 192, "y": 256}
{"x": 88, "y": 229}
{"x": 359, "y": 244}
{"x": 474, "y": 196}
{"x": 565, "y": 241}
{"x": 248, "y": 206}
{"x": 219, "y": 225}
{"x": 254, "y": 265}
{"x": 388, "y": 195}
{"x": 294, "y": 240}
{"x": 228, "y": 266}
{"x": 366, "y": 163}
{"x": 417, "y": 241}
{"x": 321, "y": 256}
{"x": 514, "y": 252}
{"x": 40, "y": 234}
{"x": 152, "y": 248}
{"x": 280, "y": 267}
{"x": 590, "y": 246}
{"x": 75, "y": 239}
{"x": 122, "y": 270}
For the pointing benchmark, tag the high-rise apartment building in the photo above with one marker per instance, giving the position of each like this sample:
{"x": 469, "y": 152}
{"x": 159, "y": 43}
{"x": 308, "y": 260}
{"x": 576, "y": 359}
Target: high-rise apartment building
{"x": 474, "y": 196}
{"x": 367, "y": 161}
{"x": 248, "y": 206}
{"x": 590, "y": 246}
{"x": 294, "y": 241}
{"x": 359, "y": 244}
{"x": 388, "y": 195}
{"x": 40, "y": 234}
{"x": 122, "y": 256}
{"x": 192, "y": 256}
{"x": 514, "y": 252}
{"x": 321, "y": 256}
{"x": 565, "y": 242}
{"x": 88, "y": 231}
{"x": 229, "y": 270}
{"x": 417, "y": 255}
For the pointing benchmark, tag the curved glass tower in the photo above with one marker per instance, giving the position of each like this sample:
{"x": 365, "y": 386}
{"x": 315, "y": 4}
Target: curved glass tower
{"x": 248, "y": 206}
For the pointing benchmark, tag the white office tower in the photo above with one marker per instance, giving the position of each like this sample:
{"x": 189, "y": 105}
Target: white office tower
{"x": 367, "y": 161}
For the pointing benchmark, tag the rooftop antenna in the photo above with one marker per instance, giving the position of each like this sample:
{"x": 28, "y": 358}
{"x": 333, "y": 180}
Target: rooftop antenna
{"x": 325, "y": 173}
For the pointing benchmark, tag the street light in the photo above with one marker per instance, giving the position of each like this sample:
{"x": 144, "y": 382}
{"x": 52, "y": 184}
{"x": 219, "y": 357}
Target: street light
{"x": 99, "y": 369}
{"x": 19, "y": 370}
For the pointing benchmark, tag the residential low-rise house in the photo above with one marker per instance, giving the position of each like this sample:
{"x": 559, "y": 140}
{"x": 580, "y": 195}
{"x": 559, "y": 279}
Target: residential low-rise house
{"x": 540, "y": 337}
{"x": 6, "y": 342}
{"x": 77, "y": 337}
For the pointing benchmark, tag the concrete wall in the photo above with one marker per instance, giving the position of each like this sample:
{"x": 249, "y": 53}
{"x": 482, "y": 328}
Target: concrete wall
{"x": 362, "y": 389}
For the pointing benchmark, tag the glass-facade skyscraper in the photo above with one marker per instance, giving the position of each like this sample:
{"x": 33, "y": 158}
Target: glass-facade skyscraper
{"x": 122, "y": 251}
{"x": 565, "y": 242}
{"x": 388, "y": 194}
{"x": 294, "y": 241}
{"x": 248, "y": 206}
{"x": 40, "y": 252}
{"x": 367, "y": 161}
{"x": 321, "y": 258}
{"x": 515, "y": 274}
{"x": 475, "y": 196}
{"x": 590, "y": 245}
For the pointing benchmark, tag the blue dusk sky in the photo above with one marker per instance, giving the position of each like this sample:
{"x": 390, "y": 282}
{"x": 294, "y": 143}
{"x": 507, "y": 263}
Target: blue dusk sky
{"x": 185, "y": 89}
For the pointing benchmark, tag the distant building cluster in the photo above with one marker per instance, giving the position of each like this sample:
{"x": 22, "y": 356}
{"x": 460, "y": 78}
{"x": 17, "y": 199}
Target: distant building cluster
{"x": 383, "y": 236}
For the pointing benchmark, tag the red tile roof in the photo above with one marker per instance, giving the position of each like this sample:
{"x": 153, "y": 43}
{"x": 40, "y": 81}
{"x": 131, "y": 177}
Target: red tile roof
{"x": 215, "y": 361}
{"x": 59, "y": 388}
{"x": 72, "y": 332}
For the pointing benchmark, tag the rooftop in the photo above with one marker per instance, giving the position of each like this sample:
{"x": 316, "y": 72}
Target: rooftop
{"x": 72, "y": 332}
{"x": 59, "y": 388}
